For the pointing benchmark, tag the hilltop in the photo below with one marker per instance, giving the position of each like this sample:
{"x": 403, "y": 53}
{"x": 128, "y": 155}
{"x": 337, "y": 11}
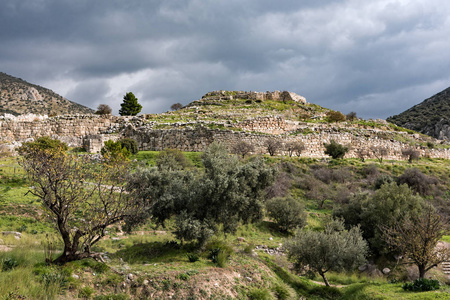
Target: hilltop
{"x": 20, "y": 97}
{"x": 431, "y": 117}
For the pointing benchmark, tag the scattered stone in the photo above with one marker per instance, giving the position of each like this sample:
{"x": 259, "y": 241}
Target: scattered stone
{"x": 130, "y": 277}
{"x": 75, "y": 276}
{"x": 145, "y": 282}
{"x": 271, "y": 239}
{"x": 386, "y": 271}
{"x": 248, "y": 278}
{"x": 16, "y": 234}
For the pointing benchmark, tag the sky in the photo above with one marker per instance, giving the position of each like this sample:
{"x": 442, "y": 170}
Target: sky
{"x": 376, "y": 58}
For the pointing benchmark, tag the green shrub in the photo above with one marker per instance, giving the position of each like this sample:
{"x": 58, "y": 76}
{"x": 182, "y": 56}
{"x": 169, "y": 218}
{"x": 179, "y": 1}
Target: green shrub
{"x": 130, "y": 144}
{"x": 85, "y": 292}
{"x": 287, "y": 213}
{"x": 421, "y": 285}
{"x": 9, "y": 263}
{"x": 282, "y": 291}
{"x": 219, "y": 252}
{"x": 335, "y": 150}
{"x": 113, "y": 297}
{"x": 192, "y": 257}
{"x": 260, "y": 294}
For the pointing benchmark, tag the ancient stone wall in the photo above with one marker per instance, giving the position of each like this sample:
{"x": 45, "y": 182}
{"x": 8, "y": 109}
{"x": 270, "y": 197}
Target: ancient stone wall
{"x": 276, "y": 96}
{"x": 92, "y": 131}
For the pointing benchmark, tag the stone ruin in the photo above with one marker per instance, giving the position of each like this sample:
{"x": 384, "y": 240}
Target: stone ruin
{"x": 260, "y": 96}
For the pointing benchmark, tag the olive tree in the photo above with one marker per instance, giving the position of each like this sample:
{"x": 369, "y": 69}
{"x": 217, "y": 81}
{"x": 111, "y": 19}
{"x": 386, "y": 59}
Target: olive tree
{"x": 227, "y": 193}
{"x": 335, "y": 249}
{"x": 82, "y": 196}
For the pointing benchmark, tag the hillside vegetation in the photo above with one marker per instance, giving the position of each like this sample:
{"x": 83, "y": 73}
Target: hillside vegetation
{"x": 151, "y": 262}
{"x": 20, "y": 97}
{"x": 430, "y": 117}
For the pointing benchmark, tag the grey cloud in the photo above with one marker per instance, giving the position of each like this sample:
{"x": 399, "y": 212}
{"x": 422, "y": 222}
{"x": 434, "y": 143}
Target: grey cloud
{"x": 383, "y": 54}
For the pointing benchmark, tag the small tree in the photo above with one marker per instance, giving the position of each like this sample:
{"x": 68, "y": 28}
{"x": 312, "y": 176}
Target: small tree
{"x": 130, "y": 144}
{"x": 335, "y": 150}
{"x": 103, "y": 109}
{"x": 130, "y": 105}
{"x": 417, "y": 237}
{"x": 295, "y": 148}
{"x": 335, "y": 249}
{"x": 362, "y": 154}
{"x": 411, "y": 154}
{"x": 82, "y": 197}
{"x": 172, "y": 159}
{"x": 242, "y": 148}
{"x": 273, "y": 145}
{"x": 176, "y": 106}
{"x": 379, "y": 152}
{"x": 335, "y": 116}
{"x": 351, "y": 116}
{"x": 288, "y": 213}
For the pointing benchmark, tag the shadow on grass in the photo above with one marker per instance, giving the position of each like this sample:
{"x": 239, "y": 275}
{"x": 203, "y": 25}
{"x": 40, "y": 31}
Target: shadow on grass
{"x": 154, "y": 252}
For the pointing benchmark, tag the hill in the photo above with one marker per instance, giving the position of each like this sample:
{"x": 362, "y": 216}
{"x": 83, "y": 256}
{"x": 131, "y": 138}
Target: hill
{"x": 431, "y": 117}
{"x": 20, "y": 97}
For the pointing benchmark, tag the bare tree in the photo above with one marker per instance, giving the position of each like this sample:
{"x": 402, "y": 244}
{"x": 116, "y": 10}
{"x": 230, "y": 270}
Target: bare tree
{"x": 417, "y": 238}
{"x": 379, "y": 152}
{"x": 411, "y": 154}
{"x": 273, "y": 145}
{"x": 362, "y": 153}
{"x": 351, "y": 116}
{"x": 82, "y": 197}
{"x": 243, "y": 148}
{"x": 295, "y": 148}
{"x": 103, "y": 109}
{"x": 176, "y": 106}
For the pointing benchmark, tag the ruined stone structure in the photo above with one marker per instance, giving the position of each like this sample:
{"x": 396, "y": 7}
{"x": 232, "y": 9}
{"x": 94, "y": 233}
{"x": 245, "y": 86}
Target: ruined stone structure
{"x": 261, "y": 96}
{"x": 91, "y": 131}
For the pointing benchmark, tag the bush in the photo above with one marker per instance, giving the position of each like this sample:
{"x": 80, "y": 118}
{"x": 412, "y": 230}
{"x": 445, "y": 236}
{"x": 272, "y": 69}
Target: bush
{"x": 103, "y": 109}
{"x": 418, "y": 182}
{"x": 335, "y": 150}
{"x": 86, "y": 292}
{"x": 219, "y": 252}
{"x": 42, "y": 143}
{"x": 421, "y": 285}
{"x": 383, "y": 179}
{"x": 192, "y": 257}
{"x": 335, "y": 116}
{"x": 130, "y": 144}
{"x": 287, "y": 213}
{"x": 114, "y": 150}
{"x": 260, "y": 294}
{"x": 9, "y": 263}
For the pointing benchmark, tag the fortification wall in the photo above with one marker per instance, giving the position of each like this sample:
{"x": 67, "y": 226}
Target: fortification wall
{"x": 91, "y": 131}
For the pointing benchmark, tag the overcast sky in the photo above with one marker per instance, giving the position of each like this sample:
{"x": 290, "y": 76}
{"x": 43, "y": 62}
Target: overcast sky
{"x": 376, "y": 57}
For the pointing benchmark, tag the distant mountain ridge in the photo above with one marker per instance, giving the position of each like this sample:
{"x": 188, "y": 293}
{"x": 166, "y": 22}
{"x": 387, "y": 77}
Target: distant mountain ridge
{"x": 20, "y": 97}
{"x": 431, "y": 117}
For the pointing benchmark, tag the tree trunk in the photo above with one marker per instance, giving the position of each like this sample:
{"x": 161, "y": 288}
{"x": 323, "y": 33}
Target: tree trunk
{"x": 324, "y": 278}
{"x": 422, "y": 271}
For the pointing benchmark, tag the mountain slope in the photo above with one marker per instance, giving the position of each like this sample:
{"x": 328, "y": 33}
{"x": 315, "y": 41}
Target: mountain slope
{"x": 431, "y": 117}
{"x": 20, "y": 97}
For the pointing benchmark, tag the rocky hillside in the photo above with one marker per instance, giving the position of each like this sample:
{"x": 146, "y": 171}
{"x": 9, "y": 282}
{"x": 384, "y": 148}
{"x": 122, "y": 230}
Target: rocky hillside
{"x": 20, "y": 97}
{"x": 431, "y": 117}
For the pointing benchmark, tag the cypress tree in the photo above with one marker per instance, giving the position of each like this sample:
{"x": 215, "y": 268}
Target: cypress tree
{"x": 130, "y": 105}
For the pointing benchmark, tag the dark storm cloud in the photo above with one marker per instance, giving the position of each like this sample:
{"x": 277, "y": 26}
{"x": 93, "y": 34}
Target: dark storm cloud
{"x": 375, "y": 57}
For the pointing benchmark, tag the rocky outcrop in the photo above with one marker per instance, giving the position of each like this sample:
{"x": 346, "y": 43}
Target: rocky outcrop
{"x": 260, "y": 96}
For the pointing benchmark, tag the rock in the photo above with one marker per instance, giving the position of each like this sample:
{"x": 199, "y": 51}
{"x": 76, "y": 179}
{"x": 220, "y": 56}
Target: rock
{"x": 15, "y": 233}
{"x": 248, "y": 278}
{"x": 386, "y": 271}
{"x": 75, "y": 276}
{"x": 130, "y": 276}
{"x": 271, "y": 239}
{"x": 362, "y": 268}
{"x": 145, "y": 282}
{"x": 240, "y": 239}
